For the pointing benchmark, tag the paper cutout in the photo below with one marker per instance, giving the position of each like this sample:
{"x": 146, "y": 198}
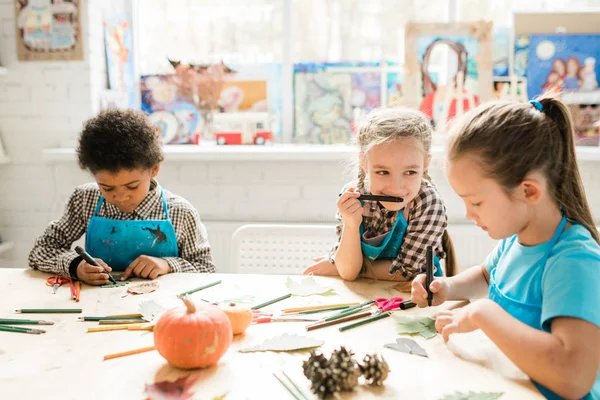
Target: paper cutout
{"x": 177, "y": 390}
{"x": 114, "y": 285}
{"x": 472, "y": 396}
{"x": 408, "y": 346}
{"x": 424, "y": 326}
{"x": 285, "y": 342}
{"x": 143, "y": 287}
{"x": 307, "y": 287}
{"x": 242, "y": 299}
{"x": 151, "y": 311}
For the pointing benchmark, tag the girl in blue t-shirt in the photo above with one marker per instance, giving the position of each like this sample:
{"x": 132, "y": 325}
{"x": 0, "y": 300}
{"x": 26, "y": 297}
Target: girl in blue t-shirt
{"x": 515, "y": 168}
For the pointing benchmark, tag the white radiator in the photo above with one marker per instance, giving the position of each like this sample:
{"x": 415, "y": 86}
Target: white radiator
{"x": 471, "y": 244}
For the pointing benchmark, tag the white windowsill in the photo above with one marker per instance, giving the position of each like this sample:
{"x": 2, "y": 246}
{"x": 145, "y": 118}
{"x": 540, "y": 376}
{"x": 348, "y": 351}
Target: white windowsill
{"x": 6, "y": 246}
{"x": 278, "y": 152}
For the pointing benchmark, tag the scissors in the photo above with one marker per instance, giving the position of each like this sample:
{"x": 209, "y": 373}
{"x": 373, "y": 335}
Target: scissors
{"x": 57, "y": 281}
{"x": 260, "y": 317}
{"x": 385, "y": 305}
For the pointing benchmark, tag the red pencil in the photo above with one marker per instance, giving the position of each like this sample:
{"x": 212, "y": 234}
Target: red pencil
{"x": 77, "y": 291}
{"x": 72, "y": 289}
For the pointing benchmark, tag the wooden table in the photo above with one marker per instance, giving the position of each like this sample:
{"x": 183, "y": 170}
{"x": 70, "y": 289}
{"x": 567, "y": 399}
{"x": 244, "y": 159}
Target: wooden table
{"x": 67, "y": 362}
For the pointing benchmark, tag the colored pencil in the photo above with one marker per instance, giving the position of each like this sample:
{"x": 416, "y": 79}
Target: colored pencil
{"x": 144, "y": 327}
{"x": 310, "y": 308}
{"x": 122, "y": 321}
{"x": 106, "y": 328}
{"x": 294, "y": 385}
{"x": 364, "y": 321}
{"x": 351, "y": 310}
{"x": 351, "y": 317}
{"x": 124, "y": 316}
{"x": 18, "y": 329}
{"x": 200, "y": 288}
{"x": 268, "y": 303}
{"x": 93, "y": 262}
{"x": 128, "y": 353}
{"x": 77, "y": 291}
{"x": 10, "y": 321}
{"x": 460, "y": 304}
{"x": 109, "y": 318}
{"x": 49, "y": 311}
{"x": 323, "y": 310}
{"x": 297, "y": 396}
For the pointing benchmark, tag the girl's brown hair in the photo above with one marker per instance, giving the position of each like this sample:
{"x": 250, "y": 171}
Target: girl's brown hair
{"x": 511, "y": 140}
{"x": 386, "y": 125}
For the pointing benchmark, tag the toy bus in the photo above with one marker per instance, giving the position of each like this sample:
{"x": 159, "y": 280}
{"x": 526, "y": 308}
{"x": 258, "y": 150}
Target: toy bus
{"x": 242, "y": 128}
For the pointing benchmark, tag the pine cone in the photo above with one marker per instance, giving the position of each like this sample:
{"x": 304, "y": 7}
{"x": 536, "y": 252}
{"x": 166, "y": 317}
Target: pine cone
{"x": 374, "y": 369}
{"x": 345, "y": 368}
{"x": 324, "y": 383}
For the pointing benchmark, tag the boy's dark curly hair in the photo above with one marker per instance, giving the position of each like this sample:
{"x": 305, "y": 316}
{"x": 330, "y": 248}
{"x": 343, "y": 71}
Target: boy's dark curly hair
{"x": 119, "y": 139}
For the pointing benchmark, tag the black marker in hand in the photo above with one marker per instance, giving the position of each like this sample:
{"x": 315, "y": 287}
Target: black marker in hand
{"x": 429, "y": 274}
{"x": 93, "y": 262}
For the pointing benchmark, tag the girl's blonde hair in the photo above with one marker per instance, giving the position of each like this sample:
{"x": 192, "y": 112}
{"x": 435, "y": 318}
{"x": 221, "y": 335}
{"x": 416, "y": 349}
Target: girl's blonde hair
{"x": 385, "y": 125}
{"x": 510, "y": 140}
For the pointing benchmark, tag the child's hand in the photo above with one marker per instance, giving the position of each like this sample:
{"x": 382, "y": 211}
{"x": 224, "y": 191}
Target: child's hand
{"x": 455, "y": 321}
{"x": 146, "y": 267}
{"x": 91, "y": 274}
{"x": 439, "y": 288}
{"x": 350, "y": 208}
{"x": 322, "y": 267}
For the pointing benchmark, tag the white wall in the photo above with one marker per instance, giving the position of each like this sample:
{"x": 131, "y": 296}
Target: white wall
{"x": 43, "y": 104}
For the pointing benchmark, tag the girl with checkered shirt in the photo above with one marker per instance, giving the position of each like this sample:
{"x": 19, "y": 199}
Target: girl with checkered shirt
{"x": 387, "y": 240}
{"x": 130, "y": 222}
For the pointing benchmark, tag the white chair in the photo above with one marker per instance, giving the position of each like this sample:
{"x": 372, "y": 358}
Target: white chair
{"x": 279, "y": 249}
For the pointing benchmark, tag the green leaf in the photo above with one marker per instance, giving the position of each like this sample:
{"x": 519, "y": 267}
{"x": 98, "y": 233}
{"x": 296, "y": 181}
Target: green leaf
{"x": 472, "y": 396}
{"x": 307, "y": 287}
{"x": 409, "y": 326}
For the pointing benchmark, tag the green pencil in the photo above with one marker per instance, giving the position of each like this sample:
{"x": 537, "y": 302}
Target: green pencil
{"x": 200, "y": 288}
{"x": 49, "y": 311}
{"x": 9, "y": 321}
{"x": 7, "y": 328}
{"x": 110, "y": 319}
{"x": 268, "y": 303}
{"x": 324, "y": 310}
{"x": 349, "y": 311}
{"x": 364, "y": 321}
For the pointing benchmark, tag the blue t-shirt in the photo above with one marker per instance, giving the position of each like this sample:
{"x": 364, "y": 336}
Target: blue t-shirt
{"x": 568, "y": 285}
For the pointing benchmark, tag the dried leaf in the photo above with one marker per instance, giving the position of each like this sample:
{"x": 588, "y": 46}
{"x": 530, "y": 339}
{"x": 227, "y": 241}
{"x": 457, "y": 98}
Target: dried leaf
{"x": 410, "y": 326}
{"x": 307, "y": 287}
{"x": 151, "y": 311}
{"x": 181, "y": 389}
{"x": 143, "y": 287}
{"x": 285, "y": 342}
{"x": 472, "y": 396}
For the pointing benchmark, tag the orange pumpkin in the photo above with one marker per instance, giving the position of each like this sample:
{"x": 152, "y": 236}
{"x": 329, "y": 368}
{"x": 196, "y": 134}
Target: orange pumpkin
{"x": 239, "y": 316}
{"x": 193, "y": 336}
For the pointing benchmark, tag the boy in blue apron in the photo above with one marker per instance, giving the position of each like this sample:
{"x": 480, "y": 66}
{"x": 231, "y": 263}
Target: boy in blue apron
{"x": 131, "y": 224}
{"x": 388, "y": 240}
{"x": 515, "y": 167}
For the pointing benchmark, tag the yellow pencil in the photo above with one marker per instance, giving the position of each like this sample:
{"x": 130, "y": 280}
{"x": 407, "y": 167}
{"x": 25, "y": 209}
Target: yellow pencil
{"x": 309, "y": 308}
{"x": 105, "y": 328}
{"x": 128, "y": 353}
{"x": 141, "y": 328}
{"x": 125, "y": 316}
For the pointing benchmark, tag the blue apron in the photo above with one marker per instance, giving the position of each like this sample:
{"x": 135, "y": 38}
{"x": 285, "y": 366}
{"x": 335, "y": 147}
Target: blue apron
{"x": 119, "y": 242}
{"x": 530, "y": 314}
{"x": 389, "y": 248}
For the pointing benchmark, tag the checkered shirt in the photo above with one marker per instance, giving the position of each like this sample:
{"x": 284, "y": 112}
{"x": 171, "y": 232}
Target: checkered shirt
{"x": 426, "y": 217}
{"x": 52, "y": 251}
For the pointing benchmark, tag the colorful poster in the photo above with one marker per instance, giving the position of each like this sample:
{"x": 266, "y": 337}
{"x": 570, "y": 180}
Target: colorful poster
{"x": 330, "y": 99}
{"x": 586, "y": 118}
{"x": 441, "y": 89}
{"x": 521, "y": 55}
{"x": 500, "y": 50}
{"x": 48, "y": 30}
{"x": 119, "y": 57}
{"x": 564, "y": 63}
{"x": 178, "y": 119}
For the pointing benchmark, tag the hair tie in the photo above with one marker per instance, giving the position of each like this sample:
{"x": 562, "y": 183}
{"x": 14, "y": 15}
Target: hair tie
{"x": 536, "y": 104}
